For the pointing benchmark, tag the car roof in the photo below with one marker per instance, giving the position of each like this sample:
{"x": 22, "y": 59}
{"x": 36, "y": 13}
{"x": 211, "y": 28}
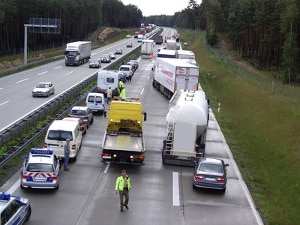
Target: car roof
{"x": 40, "y": 158}
{"x": 211, "y": 160}
{"x": 80, "y": 108}
{"x": 44, "y": 82}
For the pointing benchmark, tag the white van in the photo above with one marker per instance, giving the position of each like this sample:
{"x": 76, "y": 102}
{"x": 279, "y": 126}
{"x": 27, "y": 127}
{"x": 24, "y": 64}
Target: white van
{"x": 106, "y": 79}
{"x": 126, "y": 69}
{"x": 57, "y": 134}
{"x": 95, "y": 101}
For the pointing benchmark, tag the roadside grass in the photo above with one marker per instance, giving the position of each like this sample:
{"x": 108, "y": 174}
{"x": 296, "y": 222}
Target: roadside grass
{"x": 262, "y": 130}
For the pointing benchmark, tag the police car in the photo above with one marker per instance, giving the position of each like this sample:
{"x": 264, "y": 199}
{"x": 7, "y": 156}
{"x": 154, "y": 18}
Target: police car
{"x": 14, "y": 209}
{"x": 40, "y": 169}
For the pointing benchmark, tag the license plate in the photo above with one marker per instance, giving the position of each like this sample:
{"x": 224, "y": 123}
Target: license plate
{"x": 210, "y": 179}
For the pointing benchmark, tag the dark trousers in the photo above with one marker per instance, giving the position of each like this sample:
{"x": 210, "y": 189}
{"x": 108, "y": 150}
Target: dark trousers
{"x": 122, "y": 194}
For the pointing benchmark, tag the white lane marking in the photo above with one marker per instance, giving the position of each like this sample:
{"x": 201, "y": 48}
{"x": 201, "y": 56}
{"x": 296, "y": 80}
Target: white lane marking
{"x": 20, "y": 81}
{"x": 106, "y": 167}
{"x": 39, "y": 74}
{"x": 14, "y": 187}
{"x": 58, "y": 67}
{"x": 142, "y": 91}
{"x": 68, "y": 73}
{"x": 176, "y": 201}
{"x": 4, "y": 102}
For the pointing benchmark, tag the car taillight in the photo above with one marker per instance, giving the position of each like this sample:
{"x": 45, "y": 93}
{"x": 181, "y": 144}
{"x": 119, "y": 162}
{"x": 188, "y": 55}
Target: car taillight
{"x": 45, "y": 145}
{"x": 142, "y": 157}
{"x": 73, "y": 146}
{"x": 198, "y": 177}
{"x": 221, "y": 179}
{"x": 105, "y": 154}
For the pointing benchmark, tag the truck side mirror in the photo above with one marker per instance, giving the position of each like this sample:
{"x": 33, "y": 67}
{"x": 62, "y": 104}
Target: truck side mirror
{"x": 145, "y": 116}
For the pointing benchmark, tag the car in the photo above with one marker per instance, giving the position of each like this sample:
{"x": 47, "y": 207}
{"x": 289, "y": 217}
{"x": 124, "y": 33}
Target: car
{"x": 127, "y": 70}
{"x": 112, "y": 55}
{"x": 83, "y": 123}
{"x": 84, "y": 113}
{"x": 14, "y": 209}
{"x": 134, "y": 64}
{"x": 43, "y": 89}
{"x": 119, "y": 51}
{"x": 210, "y": 173}
{"x": 185, "y": 44}
{"x": 129, "y": 45}
{"x": 94, "y": 63}
{"x": 41, "y": 169}
{"x": 122, "y": 77}
{"x": 128, "y": 36}
{"x": 105, "y": 58}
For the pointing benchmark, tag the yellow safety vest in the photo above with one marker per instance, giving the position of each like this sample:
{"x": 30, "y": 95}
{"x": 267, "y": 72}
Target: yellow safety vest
{"x": 120, "y": 183}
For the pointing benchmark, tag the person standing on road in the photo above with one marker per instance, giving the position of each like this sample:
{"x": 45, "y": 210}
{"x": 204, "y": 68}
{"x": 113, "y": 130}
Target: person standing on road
{"x": 109, "y": 95}
{"x": 123, "y": 187}
{"x": 123, "y": 94}
{"x": 66, "y": 154}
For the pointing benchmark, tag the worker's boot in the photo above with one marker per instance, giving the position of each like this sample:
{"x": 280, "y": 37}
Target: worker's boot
{"x": 121, "y": 208}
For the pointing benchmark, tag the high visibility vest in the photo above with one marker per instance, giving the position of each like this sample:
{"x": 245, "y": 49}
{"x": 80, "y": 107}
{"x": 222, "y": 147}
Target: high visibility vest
{"x": 121, "y": 84}
{"x": 120, "y": 183}
{"x": 123, "y": 93}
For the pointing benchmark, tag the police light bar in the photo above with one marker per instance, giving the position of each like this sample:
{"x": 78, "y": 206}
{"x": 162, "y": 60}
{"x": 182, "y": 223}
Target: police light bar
{"x": 41, "y": 151}
{"x": 4, "y": 196}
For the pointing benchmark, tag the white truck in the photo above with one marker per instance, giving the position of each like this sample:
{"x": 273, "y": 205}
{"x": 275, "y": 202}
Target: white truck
{"x": 175, "y": 74}
{"x": 187, "y": 122}
{"x": 106, "y": 79}
{"x": 147, "y": 47}
{"x": 171, "y": 44}
{"x": 188, "y": 55}
{"x": 77, "y": 53}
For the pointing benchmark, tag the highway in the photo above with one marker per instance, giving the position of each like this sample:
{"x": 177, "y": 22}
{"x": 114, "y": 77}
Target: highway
{"x": 160, "y": 194}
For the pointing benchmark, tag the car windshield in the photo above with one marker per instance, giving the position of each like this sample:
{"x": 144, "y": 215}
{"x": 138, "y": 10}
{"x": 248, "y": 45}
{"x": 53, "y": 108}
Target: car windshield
{"x": 39, "y": 167}
{"x": 78, "y": 112}
{"x": 42, "y": 85}
{"x": 212, "y": 168}
{"x": 60, "y": 135}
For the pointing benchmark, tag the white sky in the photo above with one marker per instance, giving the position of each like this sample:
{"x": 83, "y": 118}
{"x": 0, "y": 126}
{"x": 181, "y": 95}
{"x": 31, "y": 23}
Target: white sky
{"x": 158, "y": 7}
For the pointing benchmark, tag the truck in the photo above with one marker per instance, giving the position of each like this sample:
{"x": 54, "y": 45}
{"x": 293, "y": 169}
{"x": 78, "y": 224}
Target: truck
{"x": 159, "y": 39}
{"x": 187, "y": 122}
{"x": 77, "y": 53}
{"x": 123, "y": 140}
{"x": 171, "y": 75}
{"x": 171, "y": 44}
{"x": 147, "y": 47}
{"x": 188, "y": 55}
{"x": 106, "y": 79}
{"x": 140, "y": 37}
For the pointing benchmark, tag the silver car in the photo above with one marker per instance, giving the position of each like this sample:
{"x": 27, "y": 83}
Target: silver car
{"x": 40, "y": 169}
{"x": 94, "y": 63}
{"x": 43, "y": 89}
{"x": 210, "y": 173}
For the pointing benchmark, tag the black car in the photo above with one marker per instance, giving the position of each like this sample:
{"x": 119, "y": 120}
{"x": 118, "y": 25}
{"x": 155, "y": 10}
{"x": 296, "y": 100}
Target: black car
{"x": 105, "y": 58}
{"x": 129, "y": 45}
{"x": 210, "y": 173}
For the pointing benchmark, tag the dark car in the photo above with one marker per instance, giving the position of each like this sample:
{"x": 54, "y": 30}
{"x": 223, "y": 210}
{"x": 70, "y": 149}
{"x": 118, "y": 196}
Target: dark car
{"x": 105, "y": 58}
{"x": 84, "y": 113}
{"x": 129, "y": 45}
{"x": 210, "y": 173}
{"x": 94, "y": 63}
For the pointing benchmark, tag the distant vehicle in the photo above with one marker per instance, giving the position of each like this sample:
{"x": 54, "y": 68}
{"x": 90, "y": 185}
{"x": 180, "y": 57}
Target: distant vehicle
{"x": 210, "y": 173}
{"x": 159, "y": 39}
{"x": 185, "y": 44}
{"x": 134, "y": 64}
{"x": 112, "y": 55}
{"x": 140, "y": 37}
{"x": 129, "y": 45}
{"x": 147, "y": 48}
{"x": 128, "y": 36}
{"x": 40, "y": 169}
{"x": 94, "y": 63}
{"x": 119, "y": 51}
{"x": 43, "y": 89}
{"x": 126, "y": 69}
{"x": 77, "y": 53}
{"x": 14, "y": 209}
{"x": 84, "y": 124}
{"x": 84, "y": 113}
{"x": 95, "y": 102}
{"x": 105, "y": 58}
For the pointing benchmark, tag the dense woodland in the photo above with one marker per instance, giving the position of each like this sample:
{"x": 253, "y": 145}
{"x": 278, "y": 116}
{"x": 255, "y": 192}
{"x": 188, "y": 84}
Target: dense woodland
{"x": 265, "y": 32}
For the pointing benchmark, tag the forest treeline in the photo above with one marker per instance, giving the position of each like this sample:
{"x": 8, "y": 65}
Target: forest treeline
{"x": 264, "y": 32}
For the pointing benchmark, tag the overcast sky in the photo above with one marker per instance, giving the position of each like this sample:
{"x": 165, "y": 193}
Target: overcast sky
{"x": 158, "y": 7}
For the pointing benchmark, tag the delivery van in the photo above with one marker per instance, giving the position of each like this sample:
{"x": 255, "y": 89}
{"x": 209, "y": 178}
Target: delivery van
{"x": 56, "y": 136}
{"x": 95, "y": 101}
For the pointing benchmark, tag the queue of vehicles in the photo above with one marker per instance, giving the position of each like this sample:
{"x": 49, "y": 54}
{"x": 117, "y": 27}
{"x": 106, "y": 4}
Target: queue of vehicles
{"x": 125, "y": 122}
